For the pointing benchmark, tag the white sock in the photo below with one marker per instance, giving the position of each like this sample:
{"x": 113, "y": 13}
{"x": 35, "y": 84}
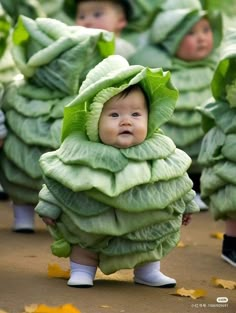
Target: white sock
{"x": 81, "y": 275}
{"x": 150, "y": 274}
{"x": 23, "y": 217}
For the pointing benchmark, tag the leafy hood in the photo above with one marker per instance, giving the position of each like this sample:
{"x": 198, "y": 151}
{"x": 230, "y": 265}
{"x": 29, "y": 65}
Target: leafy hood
{"x": 176, "y": 19}
{"x": 225, "y": 71}
{"x": 109, "y": 78}
{"x": 222, "y": 86}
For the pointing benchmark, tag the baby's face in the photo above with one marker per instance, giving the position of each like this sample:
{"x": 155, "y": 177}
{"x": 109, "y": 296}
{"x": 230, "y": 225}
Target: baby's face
{"x": 101, "y": 14}
{"x": 124, "y": 120}
{"x": 197, "y": 44}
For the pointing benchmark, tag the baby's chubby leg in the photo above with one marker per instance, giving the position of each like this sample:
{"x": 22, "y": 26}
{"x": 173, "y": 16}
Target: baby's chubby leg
{"x": 83, "y": 266}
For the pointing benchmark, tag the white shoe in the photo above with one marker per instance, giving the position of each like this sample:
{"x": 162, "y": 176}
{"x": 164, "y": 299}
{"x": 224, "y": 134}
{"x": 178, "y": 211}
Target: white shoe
{"x": 81, "y": 276}
{"x": 150, "y": 275}
{"x": 23, "y": 228}
{"x": 23, "y": 218}
{"x": 161, "y": 281}
{"x": 202, "y": 205}
{"x": 155, "y": 280}
{"x": 80, "y": 281}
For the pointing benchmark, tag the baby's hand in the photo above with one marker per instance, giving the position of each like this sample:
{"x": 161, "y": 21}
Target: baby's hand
{"x": 48, "y": 221}
{"x": 186, "y": 219}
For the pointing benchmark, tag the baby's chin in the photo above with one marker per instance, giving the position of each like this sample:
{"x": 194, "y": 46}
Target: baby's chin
{"x": 201, "y": 55}
{"x": 123, "y": 143}
{"x": 126, "y": 145}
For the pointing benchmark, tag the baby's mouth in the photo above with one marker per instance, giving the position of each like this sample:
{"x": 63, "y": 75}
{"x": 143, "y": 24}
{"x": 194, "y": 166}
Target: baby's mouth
{"x": 202, "y": 48}
{"x": 126, "y": 132}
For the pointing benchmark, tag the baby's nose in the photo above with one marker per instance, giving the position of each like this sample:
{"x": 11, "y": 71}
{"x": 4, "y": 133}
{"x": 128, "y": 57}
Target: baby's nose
{"x": 126, "y": 121}
{"x": 87, "y": 22}
{"x": 201, "y": 36}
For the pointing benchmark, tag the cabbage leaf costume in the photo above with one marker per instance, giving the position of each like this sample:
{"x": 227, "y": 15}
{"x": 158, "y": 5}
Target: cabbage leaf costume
{"x": 53, "y": 59}
{"x": 3, "y": 130}
{"x": 143, "y": 13}
{"x": 218, "y": 150}
{"x": 124, "y": 204}
{"x": 36, "y": 8}
{"x": 192, "y": 79}
{"x": 7, "y": 65}
{"x": 30, "y": 8}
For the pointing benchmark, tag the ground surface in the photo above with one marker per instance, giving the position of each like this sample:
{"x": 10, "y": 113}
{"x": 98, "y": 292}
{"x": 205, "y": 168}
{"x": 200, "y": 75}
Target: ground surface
{"x": 24, "y": 261}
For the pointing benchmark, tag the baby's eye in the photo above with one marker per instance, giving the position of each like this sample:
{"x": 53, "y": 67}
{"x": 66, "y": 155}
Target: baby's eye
{"x": 136, "y": 114}
{"x": 114, "y": 114}
{"x": 98, "y": 14}
{"x": 191, "y": 33}
{"x": 81, "y": 17}
{"x": 206, "y": 29}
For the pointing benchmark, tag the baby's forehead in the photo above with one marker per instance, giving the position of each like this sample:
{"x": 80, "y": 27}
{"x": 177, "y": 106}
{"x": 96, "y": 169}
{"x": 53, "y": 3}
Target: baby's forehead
{"x": 134, "y": 99}
{"x": 203, "y": 21}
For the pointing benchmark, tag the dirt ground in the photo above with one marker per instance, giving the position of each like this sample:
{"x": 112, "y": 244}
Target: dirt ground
{"x": 24, "y": 262}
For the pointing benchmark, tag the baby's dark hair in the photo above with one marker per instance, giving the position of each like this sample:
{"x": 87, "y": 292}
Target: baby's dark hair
{"x": 131, "y": 88}
{"x": 124, "y": 4}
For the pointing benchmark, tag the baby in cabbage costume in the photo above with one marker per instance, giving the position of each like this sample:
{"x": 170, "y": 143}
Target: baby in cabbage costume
{"x": 116, "y": 191}
{"x": 184, "y": 40}
{"x": 111, "y": 15}
{"x": 218, "y": 149}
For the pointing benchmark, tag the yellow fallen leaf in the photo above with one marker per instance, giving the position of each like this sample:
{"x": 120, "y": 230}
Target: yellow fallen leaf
{"x": 227, "y": 284}
{"x": 42, "y": 308}
{"x": 218, "y": 235}
{"x": 54, "y": 270}
{"x": 2, "y": 311}
{"x": 181, "y": 244}
{"x": 30, "y": 308}
{"x": 193, "y": 293}
{"x": 104, "y": 306}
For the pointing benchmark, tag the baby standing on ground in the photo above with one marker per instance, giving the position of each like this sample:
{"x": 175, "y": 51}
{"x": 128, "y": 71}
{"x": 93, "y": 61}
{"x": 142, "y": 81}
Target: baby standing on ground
{"x": 217, "y": 154}
{"x": 117, "y": 191}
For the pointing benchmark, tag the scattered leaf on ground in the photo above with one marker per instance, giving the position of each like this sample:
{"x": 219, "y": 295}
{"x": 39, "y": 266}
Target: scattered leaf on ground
{"x": 105, "y": 306}
{"x": 66, "y": 308}
{"x": 181, "y": 244}
{"x": 193, "y": 293}
{"x": 42, "y": 308}
{"x": 31, "y": 308}
{"x": 54, "y": 270}
{"x": 227, "y": 284}
{"x": 218, "y": 235}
